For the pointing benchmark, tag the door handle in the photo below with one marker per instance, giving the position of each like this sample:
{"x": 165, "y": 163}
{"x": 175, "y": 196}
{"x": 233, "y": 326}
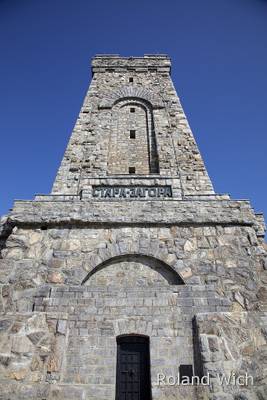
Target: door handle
{"x": 131, "y": 372}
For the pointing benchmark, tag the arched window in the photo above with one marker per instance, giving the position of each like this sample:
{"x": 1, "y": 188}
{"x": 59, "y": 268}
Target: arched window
{"x": 132, "y": 146}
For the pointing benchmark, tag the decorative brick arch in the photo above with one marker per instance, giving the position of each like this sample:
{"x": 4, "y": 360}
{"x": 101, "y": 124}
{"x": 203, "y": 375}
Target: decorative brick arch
{"x": 132, "y": 92}
{"x": 168, "y": 272}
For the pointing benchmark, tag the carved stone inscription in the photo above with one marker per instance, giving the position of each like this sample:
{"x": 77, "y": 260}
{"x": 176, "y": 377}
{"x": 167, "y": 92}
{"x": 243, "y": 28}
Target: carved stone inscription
{"x": 132, "y": 192}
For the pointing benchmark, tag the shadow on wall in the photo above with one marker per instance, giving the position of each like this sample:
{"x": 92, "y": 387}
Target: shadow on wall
{"x": 166, "y": 272}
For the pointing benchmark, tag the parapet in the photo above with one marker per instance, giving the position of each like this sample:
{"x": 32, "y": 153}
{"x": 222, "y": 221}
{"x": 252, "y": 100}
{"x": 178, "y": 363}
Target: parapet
{"x": 114, "y": 63}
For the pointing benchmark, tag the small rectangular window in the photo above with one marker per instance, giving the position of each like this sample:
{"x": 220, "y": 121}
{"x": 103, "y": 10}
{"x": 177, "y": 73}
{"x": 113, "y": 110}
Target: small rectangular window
{"x": 130, "y": 80}
{"x": 131, "y": 170}
{"x": 132, "y": 134}
{"x": 132, "y": 109}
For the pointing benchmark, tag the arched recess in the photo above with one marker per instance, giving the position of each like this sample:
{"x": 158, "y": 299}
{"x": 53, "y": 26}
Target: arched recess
{"x": 167, "y": 272}
{"x": 133, "y": 144}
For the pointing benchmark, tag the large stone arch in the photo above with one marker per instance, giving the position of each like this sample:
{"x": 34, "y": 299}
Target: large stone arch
{"x": 131, "y": 91}
{"x": 165, "y": 270}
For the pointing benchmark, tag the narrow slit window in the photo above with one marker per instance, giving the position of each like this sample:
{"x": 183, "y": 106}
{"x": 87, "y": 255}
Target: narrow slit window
{"x": 131, "y": 80}
{"x": 132, "y": 134}
{"x": 132, "y": 109}
{"x": 131, "y": 170}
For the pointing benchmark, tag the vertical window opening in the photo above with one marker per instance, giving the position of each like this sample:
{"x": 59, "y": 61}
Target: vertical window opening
{"x": 132, "y": 109}
{"x": 132, "y": 134}
{"x": 131, "y": 80}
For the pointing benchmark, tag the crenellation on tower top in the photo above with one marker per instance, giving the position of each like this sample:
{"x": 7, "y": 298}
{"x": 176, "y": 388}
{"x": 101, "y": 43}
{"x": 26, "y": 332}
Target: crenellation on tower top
{"x": 112, "y": 63}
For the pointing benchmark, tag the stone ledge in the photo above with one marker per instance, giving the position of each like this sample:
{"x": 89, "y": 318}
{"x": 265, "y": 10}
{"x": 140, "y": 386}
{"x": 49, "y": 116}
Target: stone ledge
{"x": 134, "y": 212}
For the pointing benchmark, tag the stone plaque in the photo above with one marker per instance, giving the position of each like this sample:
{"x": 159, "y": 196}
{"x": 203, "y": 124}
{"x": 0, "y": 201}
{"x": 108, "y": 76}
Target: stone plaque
{"x": 137, "y": 192}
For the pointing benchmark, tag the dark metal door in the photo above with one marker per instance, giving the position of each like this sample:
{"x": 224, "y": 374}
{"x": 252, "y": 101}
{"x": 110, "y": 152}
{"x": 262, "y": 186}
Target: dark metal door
{"x": 133, "y": 368}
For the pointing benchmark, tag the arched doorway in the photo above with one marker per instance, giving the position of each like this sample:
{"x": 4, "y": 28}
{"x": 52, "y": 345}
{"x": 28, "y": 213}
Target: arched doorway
{"x": 133, "y": 368}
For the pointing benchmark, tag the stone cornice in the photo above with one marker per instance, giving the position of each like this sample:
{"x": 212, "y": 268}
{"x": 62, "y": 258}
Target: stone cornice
{"x": 133, "y": 212}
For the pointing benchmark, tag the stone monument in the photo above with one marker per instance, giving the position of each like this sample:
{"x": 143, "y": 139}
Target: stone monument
{"x": 133, "y": 278}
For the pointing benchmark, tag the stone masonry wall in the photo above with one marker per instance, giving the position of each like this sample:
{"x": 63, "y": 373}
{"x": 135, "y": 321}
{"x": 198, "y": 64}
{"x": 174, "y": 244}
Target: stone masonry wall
{"x": 95, "y": 282}
{"x": 226, "y": 256}
{"x": 187, "y": 270}
{"x": 87, "y": 154}
{"x": 235, "y": 345}
{"x": 44, "y": 352}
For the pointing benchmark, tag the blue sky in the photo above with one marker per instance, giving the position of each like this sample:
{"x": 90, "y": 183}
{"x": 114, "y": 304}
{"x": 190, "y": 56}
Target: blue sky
{"x": 219, "y": 67}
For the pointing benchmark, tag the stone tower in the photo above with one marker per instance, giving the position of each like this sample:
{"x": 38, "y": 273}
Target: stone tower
{"x": 133, "y": 270}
